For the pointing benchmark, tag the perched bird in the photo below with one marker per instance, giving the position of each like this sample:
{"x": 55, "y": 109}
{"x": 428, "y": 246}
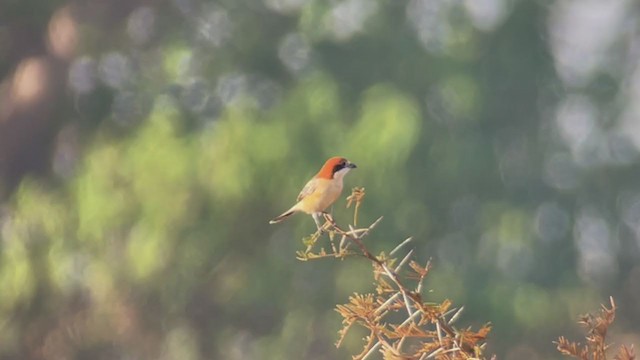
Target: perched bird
{"x": 321, "y": 191}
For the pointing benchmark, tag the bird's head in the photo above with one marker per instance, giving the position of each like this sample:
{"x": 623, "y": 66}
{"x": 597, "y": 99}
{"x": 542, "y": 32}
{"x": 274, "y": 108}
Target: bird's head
{"x": 336, "y": 168}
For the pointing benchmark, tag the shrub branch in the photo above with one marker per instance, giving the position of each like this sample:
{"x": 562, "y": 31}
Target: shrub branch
{"x": 595, "y": 348}
{"x": 426, "y": 329}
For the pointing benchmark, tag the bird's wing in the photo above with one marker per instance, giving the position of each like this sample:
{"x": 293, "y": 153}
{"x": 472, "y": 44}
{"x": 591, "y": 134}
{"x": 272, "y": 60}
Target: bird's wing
{"x": 308, "y": 189}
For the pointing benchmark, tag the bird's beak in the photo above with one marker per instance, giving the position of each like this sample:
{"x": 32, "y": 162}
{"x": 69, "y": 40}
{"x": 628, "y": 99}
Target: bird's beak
{"x": 351, "y": 165}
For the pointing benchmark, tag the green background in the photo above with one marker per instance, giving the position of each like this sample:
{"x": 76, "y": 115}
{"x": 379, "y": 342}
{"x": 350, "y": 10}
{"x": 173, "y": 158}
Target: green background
{"x": 145, "y": 145}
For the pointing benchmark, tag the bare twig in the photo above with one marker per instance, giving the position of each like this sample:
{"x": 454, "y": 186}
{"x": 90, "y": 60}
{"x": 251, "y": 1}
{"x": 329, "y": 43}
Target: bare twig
{"x": 428, "y": 325}
{"x": 596, "y": 327}
{"x": 397, "y": 248}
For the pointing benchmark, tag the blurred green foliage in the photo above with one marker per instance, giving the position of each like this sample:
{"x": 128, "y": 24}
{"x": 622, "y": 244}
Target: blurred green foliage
{"x": 197, "y": 122}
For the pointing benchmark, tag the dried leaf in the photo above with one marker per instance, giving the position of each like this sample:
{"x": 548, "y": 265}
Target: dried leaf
{"x": 565, "y": 347}
{"x": 596, "y": 327}
{"x": 625, "y": 353}
{"x": 357, "y": 194}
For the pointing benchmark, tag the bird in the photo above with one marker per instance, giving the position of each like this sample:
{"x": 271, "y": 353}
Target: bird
{"x": 321, "y": 191}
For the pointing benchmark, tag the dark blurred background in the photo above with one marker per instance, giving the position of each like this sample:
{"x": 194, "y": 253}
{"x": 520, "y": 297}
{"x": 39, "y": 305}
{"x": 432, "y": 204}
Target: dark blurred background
{"x": 144, "y": 145}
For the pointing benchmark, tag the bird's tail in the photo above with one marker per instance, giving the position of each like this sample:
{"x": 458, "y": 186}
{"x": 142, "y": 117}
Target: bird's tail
{"x": 282, "y": 217}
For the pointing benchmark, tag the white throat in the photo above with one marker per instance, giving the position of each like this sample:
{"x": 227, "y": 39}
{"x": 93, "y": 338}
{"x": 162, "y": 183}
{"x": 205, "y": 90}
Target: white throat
{"x": 341, "y": 173}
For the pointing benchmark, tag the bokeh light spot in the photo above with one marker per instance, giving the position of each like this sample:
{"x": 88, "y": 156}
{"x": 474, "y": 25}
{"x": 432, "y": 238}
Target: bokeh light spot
{"x": 30, "y": 81}
{"x": 486, "y": 15}
{"x": 581, "y": 33}
{"x": 215, "y": 26}
{"x": 577, "y": 121}
{"x": 596, "y": 246}
{"x": 116, "y": 70}
{"x": 83, "y": 75}
{"x": 63, "y": 34}
{"x": 295, "y": 53}
{"x": 286, "y": 6}
{"x": 429, "y": 20}
{"x": 141, "y": 25}
{"x": 348, "y": 17}
{"x": 232, "y": 87}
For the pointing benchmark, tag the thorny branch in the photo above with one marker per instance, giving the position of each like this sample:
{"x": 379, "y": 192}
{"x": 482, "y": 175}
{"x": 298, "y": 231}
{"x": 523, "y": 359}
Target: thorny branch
{"x": 596, "y": 327}
{"x": 425, "y": 332}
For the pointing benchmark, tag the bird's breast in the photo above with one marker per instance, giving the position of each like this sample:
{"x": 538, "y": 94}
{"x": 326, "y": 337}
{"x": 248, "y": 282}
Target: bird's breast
{"x": 325, "y": 194}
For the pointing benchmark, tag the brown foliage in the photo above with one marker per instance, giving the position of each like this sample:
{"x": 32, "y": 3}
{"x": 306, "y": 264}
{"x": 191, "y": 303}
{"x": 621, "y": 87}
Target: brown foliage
{"x": 400, "y": 323}
{"x": 596, "y": 327}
